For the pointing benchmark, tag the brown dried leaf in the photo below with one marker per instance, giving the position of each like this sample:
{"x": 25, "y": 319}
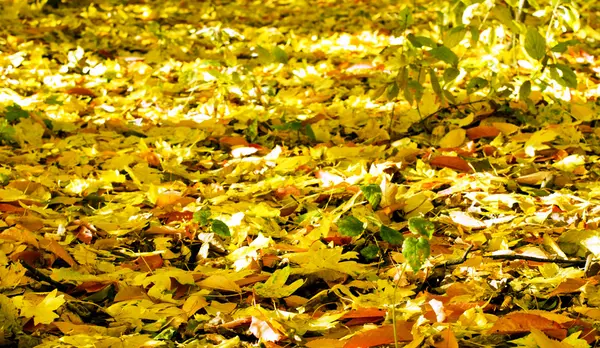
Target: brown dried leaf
{"x": 451, "y": 162}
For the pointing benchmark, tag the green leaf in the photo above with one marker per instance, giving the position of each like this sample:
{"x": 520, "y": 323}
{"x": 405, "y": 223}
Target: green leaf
{"x": 370, "y": 251}
{"x": 202, "y": 216}
{"x": 7, "y": 132}
{"x": 421, "y": 226}
{"x": 390, "y": 235}
{"x": 218, "y": 227}
{"x": 392, "y": 91}
{"x": 455, "y": 36}
{"x": 372, "y": 193}
{"x": 53, "y": 100}
{"x": 280, "y": 55}
{"x": 416, "y": 252}
{"x": 525, "y": 90}
{"x": 450, "y": 75}
{"x": 14, "y": 113}
{"x": 445, "y": 54}
{"x": 420, "y": 41}
{"x": 564, "y": 75}
{"x": 535, "y": 44}
{"x": 435, "y": 84}
{"x": 350, "y": 226}
{"x": 275, "y": 287}
{"x": 474, "y": 34}
{"x": 264, "y": 56}
{"x": 405, "y": 17}
{"x": 309, "y": 132}
{"x": 475, "y": 84}
{"x": 561, "y": 47}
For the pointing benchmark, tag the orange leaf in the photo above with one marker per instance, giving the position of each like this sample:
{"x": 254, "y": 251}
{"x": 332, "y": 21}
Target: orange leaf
{"x": 365, "y": 312}
{"x": 81, "y": 91}
{"x": 569, "y": 286}
{"x": 451, "y": 162}
{"x": 380, "y": 336}
{"x": 283, "y": 192}
{"x": 448, "y": 340}
{"x": 482, "y": 132}
{"x": 9, "y": 208}
{"x": 325, "y": 342}
{"x": 519, "y": 322}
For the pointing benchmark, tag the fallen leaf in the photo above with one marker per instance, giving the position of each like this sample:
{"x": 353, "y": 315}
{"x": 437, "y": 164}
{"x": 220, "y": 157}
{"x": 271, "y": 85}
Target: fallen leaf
{"x": 482, "y": 132}
{"x": 448, "y": 340}
{"x": 451, "y": 162}
{"x": 262, "y": 330}
{"x": 520, "y": 322}
{"x": 466, "y": 220}
{"x": 381, "y": 335}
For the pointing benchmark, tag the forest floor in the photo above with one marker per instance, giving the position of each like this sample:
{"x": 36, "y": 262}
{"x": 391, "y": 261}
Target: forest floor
{"x": 298, "y": 173}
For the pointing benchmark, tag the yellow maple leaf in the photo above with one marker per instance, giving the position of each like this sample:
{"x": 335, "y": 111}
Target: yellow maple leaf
{"x": 43, "y": 312}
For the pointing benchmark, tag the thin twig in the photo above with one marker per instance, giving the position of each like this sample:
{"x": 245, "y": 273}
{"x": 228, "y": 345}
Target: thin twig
{"x": 41, "y": 277}
{"x": 455, "y": 261}
{"x": 576, "y": 262}
{"x": 451, "y": 107}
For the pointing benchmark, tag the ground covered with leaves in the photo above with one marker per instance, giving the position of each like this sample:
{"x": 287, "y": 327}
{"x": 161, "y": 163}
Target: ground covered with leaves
{"x": 299, "y": 173}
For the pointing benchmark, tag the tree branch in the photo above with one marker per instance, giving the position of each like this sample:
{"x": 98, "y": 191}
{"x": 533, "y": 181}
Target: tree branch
{"x": 576, "y": 262}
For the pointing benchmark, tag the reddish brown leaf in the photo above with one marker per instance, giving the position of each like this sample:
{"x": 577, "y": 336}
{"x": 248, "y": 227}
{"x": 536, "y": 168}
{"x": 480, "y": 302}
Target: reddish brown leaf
{"x": 85, "y": 235}
{"x": 233, "y": 141}
{"x": 149, "y": 263}
{"x": 380, "y": 336}
{"x": 451, "y": 162}
{"x": 81, "y": 91}
{"x": 252, "y": 279}
{"x": 9, "y": 208}
{"x": 177, "y": 216}
{"x": 338, "y": 240}
{"x": 482, "y": 132}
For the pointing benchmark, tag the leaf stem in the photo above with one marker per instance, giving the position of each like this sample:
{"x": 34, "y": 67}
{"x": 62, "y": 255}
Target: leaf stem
{"x": 394, "y": 306}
